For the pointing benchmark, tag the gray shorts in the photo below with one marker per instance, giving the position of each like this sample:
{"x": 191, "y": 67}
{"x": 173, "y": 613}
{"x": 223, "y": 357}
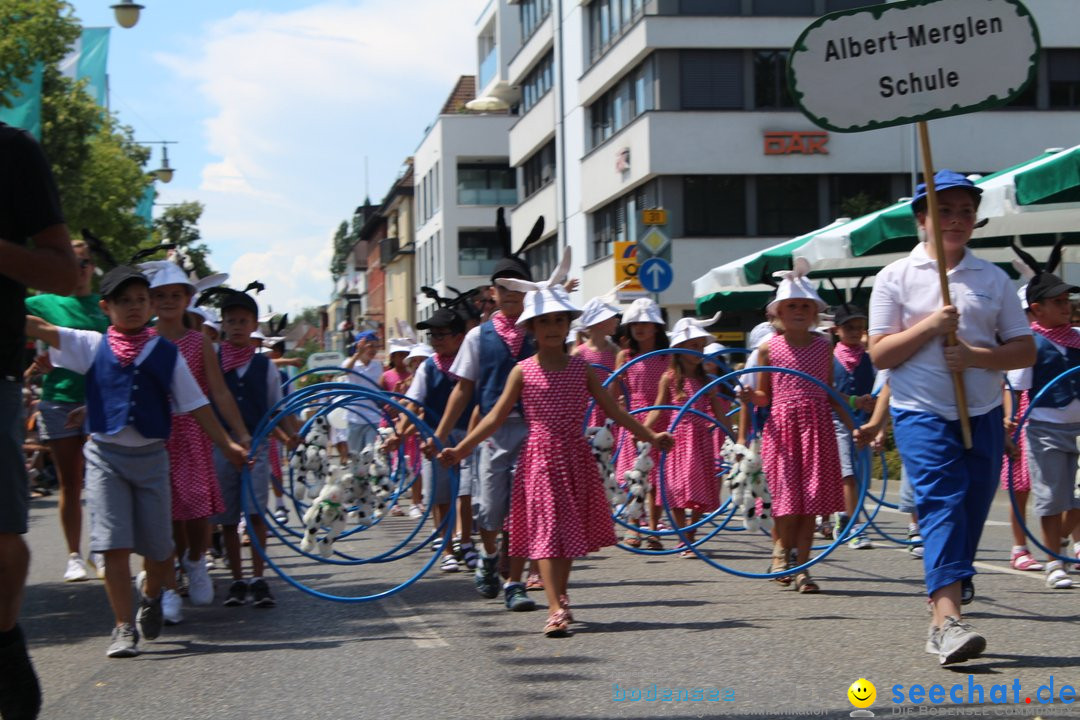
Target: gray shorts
{"x": 436, "y": 478}
{"x": 361, "y": 435}
{"x": 498, "y": 458}
{"x": 14, "y": 484}
{"x": 907, "y": 493}
{"x": 843, "y": 442}
{"x": 130, "y": 498}
{"x": 231, "y": 486}
{"x": 1051, "y": 457}
{"x": 53, "y": 418}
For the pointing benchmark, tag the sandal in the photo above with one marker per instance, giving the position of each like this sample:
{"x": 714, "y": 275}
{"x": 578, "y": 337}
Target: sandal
{"x": 632, "y": 540}
{"x": 1023, "y": 560}
{"x": 653, "y": 544}
{"x": 564, "y": 604}
{"x": 806, "y": 585}
{"x": 780, "y": 562}
{"x": 449, "y": 564}
{"x": 534, "y": 582}
{"x": 558, "y": 625}
{"x": 1056, "y": 577}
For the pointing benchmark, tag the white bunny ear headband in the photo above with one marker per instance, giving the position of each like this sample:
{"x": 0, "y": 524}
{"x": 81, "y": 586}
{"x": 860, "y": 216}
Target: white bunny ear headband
{"x": 795, "y": 285}
{"x": 558, "y": 277}
{"x": 689, "y": 328}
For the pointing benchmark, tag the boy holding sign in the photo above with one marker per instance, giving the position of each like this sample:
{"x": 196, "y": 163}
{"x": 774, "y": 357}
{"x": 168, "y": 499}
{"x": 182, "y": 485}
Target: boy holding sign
{"x": 953, "y": 486}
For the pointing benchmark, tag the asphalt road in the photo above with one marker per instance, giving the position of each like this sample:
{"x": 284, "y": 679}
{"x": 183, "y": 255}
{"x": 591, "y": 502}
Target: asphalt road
{"x": 439, "y": 650}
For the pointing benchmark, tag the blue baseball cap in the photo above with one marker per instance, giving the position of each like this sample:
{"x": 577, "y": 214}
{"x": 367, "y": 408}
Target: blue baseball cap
{"x": 366, "y": 335}
{"x": 943, "y": 180}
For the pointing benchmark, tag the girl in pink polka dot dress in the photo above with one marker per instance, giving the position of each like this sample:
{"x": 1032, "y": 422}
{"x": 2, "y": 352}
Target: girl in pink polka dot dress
{"x": 799, "y": 453}
{"x": 196, "y": 495}
{"x": 558, "y": 507}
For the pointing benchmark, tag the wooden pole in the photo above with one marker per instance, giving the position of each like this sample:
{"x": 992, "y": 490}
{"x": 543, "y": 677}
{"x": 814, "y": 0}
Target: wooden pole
{"x": 943, "y": 275}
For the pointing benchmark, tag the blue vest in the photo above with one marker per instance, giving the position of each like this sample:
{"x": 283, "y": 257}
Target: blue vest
{"x": 497, "y": 362}
{"x": 1049, "y": 363}
{"x": 136, "y": 395}
{"x": 249, "y": 391}
{"x": 439, "y": 385}
{"x": 860, "y": 381}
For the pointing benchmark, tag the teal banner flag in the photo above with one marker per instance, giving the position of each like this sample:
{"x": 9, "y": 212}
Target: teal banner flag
{"x": 145, "y": 208}
{"x": 89, "y": 60}
{"x": 25, "y": 110}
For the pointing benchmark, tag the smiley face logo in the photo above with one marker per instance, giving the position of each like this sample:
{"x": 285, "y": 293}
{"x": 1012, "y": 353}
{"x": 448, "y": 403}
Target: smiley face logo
{"x": 862, "y": 693}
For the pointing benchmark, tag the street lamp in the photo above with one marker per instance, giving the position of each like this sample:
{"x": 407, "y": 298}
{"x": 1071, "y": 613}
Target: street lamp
{"x": 163, "y": 173}
{"x": 127, "y": 13}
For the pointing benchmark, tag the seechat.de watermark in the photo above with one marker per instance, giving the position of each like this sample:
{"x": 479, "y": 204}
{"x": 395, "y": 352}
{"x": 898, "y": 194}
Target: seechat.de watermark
{"x": 662, "y": 693}
{"x": 974, "y": 693}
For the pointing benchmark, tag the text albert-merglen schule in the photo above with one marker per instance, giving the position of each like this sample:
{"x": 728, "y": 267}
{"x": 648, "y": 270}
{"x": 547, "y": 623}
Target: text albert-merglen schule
{"x": 917, "y": 36}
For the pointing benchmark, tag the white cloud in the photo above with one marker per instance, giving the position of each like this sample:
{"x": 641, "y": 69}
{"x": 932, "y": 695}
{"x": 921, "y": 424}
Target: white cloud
{"x": 298, "y": 99}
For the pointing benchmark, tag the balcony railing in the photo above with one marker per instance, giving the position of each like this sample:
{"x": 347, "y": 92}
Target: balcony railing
{"x": 487, "y": 196}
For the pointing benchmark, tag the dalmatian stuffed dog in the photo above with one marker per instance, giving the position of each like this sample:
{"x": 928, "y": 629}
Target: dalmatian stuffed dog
{"x": 637, "y": 480}
{"x": 602, "y": 441}
{"x": 748, "y": 485}
{"x": 327, "y": 511}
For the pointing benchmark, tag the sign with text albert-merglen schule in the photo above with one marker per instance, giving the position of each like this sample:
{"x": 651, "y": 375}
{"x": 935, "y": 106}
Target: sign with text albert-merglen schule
{"x": 902, "y": 62}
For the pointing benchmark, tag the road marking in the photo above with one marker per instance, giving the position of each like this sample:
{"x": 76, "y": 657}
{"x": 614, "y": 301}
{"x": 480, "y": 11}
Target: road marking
{"x": 415, "y": 627}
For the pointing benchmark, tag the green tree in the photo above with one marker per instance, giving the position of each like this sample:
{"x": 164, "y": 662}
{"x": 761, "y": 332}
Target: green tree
{"x": 342, "y": 244}
{"x": 860, "y": 204}
{"x": 32, "y": 32}
{"x": 179, "y": 224}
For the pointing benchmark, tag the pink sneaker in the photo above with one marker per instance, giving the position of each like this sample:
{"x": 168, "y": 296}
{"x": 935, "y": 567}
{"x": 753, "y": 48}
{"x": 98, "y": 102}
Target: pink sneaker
{"x": 1023, "y": 560}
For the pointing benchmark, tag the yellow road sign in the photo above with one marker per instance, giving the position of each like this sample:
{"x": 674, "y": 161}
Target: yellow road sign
{"x": 654, "y": 217}
{"x": 626, "y": 266}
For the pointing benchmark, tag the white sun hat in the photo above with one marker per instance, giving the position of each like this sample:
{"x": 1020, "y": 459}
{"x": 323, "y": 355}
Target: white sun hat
{"x": 546, "y": 296}
{"x": 643, "y": 310}
{"x": 689, "y": 328}
{"x": 396, "y": 345}
{"x": 759, "y": 334}
{"x": 258, "y": 335}
{"x": 206, "y": 313}
{"x": 713, "y": 348}
{"x": 420, "y": 350}
{"x": 165, "y": 272}
{"x": 602, "y": 307}
{"x": 794, "y": 285}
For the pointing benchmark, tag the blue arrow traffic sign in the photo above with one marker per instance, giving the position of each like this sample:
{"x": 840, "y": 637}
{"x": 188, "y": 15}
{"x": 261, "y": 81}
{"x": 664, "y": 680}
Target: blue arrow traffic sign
{"x": 655, "y": 275}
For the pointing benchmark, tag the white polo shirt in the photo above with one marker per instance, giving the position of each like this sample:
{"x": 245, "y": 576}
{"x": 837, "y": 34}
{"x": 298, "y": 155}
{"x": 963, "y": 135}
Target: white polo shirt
{"x": 363, "y": 412}
{"x": 908, "y": 290}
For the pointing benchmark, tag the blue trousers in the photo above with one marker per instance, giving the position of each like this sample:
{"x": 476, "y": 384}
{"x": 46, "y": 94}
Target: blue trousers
{"x": 953, "y": 486}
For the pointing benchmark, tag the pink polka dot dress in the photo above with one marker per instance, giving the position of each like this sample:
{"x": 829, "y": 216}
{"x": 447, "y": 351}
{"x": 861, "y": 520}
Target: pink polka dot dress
{"x": 642, "y": 380}
{"x": 1021, "y": 480}
{"x": 597, "y": 417}
{"x": 558, "y": 506}
{"x": 798, "y": 443}
{"x": 195, "y": 490}
{"x": 397, "y": 382}
{"x": 691, "y": 470}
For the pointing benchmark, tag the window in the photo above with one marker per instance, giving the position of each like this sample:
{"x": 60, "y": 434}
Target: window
{"x": 631, "y": 96}
{"x": 484, "y": 184}
{"x": 538, "y": 170}
{"x": 478, "y": 251}
{"x": 617, "y": 221}
{"x": 533, "y": 14}
{"x": 770, "y": 80}
{"x": 542, "y": 258}
{"x": 853, "y": 195}
{"x": 608, "y": 20}
{"x": 710, "y": 7}
{"x": 1063, "y": 71}
{"x": 787, "y": 204}
{"x": 714, "y": 205}
{"x": 711, "y": 79}
{"x": 783, "y": 8}
{"x": 537, "y": 83}
{"x": 436, "y": 201}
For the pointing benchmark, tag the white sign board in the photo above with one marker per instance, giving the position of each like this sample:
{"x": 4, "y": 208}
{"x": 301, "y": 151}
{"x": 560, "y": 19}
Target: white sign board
{"x": 325, "y": 359}
{"x": 902, "y": 62}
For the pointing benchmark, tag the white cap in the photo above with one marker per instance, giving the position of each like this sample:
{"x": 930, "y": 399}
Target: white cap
{"x": 643, "y": 310}
{"x": 794, "y": 285}
{"x": 603, "y": 307}
{"x": 546, "y": 300}
{"x": 215, "y": 324}
{"x": 165, "y": 272}
{"x": 713, "y": 348}
{"x": 420, "y": 350}
{"x": 396, "y": 345}
{"x": 688, "y": 328}
{"x": 761, "y": 332}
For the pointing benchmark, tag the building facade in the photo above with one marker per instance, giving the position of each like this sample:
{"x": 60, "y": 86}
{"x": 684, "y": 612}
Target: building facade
{"x": 397, "y": 255}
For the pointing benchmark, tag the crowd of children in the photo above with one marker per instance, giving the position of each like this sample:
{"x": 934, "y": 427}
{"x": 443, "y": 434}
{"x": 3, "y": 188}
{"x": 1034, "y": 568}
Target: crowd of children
{"x": 506, "y": 396}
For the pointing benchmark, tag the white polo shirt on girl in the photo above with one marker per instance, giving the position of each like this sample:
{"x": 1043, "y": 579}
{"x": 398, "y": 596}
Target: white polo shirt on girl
{"x": 908, "y": 290}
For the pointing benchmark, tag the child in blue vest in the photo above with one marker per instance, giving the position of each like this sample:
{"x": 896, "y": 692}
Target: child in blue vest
{"x": 135, "y": 380}
{"x": 488, "y": 354}
{"x": 853, "y": 377}
{"x": 256, "y": 386}
{"x": 1054, "y": 421}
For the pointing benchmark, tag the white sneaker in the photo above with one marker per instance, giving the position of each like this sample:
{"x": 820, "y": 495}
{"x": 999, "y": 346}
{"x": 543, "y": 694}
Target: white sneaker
{"x": 200, "y": 586}
{"x": 416, "y": 511}
{"x": 98, "y": 561}
{"x": 76, "y": 569}
{"x": 171, "y": 607}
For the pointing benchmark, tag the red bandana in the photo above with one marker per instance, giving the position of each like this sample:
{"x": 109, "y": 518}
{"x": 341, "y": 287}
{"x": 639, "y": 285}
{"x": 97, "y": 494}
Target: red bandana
{"x": 849, "y": 355}
{"x": 1063, "y": 335}
{"x": 233, "y": 356}
{"x": 511, "y": 333}
{"x": 443, "y": 362}
{"x": 126, "y": 347}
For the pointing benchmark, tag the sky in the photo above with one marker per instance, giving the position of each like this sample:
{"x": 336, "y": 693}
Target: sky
{"x": 275, "y": 105}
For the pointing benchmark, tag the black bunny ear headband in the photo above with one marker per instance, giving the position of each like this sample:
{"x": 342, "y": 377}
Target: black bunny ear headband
{"x": 1042, "y": 282}
{"x": 1036, "y": 267}
{"x": 462, "y": 303}
{"x": 277, "y": 327}
{"x": 845, "y": 309}
{"x": 233, "y": 298}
